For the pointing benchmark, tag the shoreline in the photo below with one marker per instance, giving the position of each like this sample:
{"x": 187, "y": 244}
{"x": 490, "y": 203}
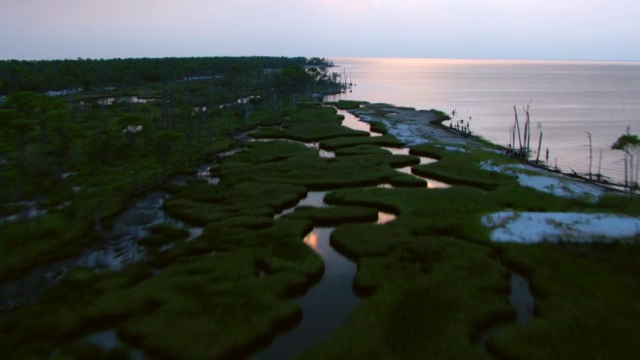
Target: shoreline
{"x": 436, "y": 121}
{"x": 581, "y": 104}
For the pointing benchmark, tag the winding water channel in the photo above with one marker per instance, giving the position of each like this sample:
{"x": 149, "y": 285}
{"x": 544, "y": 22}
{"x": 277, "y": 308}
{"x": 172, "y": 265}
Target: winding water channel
{"x": 523, "y": 302}
{"x": 326, "y": 306}
{"x": 328, "y": 303}
{"x": 120, "y": 248}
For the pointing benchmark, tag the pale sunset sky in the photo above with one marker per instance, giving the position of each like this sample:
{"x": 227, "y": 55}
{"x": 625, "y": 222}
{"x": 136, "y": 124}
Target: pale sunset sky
{"x": 473, "y": 29}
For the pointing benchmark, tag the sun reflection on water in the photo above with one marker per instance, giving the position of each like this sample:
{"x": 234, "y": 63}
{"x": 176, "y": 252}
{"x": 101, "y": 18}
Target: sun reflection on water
{"x": 435, "y": 184}
{"x": 312, "y": 241}
{"x": 385, "y": 218}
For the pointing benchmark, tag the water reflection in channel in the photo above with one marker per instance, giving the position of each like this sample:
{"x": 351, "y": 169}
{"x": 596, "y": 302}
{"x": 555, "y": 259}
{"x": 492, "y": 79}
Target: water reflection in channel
{"x": 108, "y": 340}
{"x": 354, "y": 123}
{"x": 313, "y": 199}
{"x": 522, "y": 298}
{"x": 523, "y": 302}
{"x": 385, "y": 218}
{"x": 431, "y": 184}
{"x": 312, "y": 241}
{"x": 325, "y": 307}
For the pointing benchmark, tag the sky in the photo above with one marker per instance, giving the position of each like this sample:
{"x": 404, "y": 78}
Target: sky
{"x": 468, "y": 29}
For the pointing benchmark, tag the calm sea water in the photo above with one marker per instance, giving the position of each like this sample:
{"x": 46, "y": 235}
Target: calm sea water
{"x": 568, "y": 99}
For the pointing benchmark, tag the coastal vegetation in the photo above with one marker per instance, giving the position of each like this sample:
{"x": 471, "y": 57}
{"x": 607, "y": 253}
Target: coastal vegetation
{"x": 630, "y": 145}
{"x": 432, "y": 281}
{"x": 69, "y": 76}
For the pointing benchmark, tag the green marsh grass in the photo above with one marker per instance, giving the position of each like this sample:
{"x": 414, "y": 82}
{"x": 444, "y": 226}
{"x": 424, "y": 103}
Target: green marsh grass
{"x": 432, "y": 281}
{"x": 342, "y": 142}
{"x": 309, "y": 124}
{"x": 164, "y": 233}
{"x": 348, "y": 104}
{"x": 462, "y": 168}
{"x": 335, "y": 215}
{"x": 28, "y": 243}
{"x": 316, "y": 173}
{"x": 362, "y": 150}
{"x": 587, "y": 302}
{"x": 378, "y": 127}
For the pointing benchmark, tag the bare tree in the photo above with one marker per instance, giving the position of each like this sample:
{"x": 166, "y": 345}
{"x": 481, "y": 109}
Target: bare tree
{"x": 527, "y": 133}
{"x": 590, "y": 153}
{"x": 630, "y": 145}
{"x": 539, "y": 143}
{"x": 525, "y": 140}
{"x": 599, "y": 175}
{"x": 515, "y": 111}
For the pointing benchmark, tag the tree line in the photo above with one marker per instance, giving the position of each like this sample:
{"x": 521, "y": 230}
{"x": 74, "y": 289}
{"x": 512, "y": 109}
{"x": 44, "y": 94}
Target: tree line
{"x": 92, "y": 74}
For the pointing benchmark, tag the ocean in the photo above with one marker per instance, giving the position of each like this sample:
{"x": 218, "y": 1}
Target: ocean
{"x": 567, "y": 101}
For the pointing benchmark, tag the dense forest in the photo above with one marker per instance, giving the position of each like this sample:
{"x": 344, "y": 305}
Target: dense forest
{"x": 88, "y": 74}
{"x": 70, "y": 162}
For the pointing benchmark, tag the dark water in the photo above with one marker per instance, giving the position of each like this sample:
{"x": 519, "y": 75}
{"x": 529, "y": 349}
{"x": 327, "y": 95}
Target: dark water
{"x": 325, "y": 307}
{"x": 523, "y": 302}
{"x": 522, "y": 298}
{"x": 353, "y": 122}
{"x": 327, "y": 304}
{"x": 567, "y": 98}
{"x": 120, "y": 248}
{"x": 108, "y": 340}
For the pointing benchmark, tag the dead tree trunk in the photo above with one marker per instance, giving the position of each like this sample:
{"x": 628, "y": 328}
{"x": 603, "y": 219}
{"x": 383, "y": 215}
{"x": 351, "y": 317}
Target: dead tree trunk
{"x": 527, "y": 135}
{"x": 590, "y": 153}
{"x": 518, "y": 128}
{"x": 539, "y": 144}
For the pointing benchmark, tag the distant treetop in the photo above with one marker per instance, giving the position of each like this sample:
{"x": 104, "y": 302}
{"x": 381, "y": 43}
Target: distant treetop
{"x": 88, "y": 74}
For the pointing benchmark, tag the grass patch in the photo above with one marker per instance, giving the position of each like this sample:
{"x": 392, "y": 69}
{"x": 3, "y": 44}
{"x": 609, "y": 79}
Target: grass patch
{"x": 435, "y": 212}
{"x": 366, "y": 240}
{"x": 309, "y": 132}
{"x": 452, "y": 212}
{"x": 337, "y": 143}
{"x": 587, "y": 302}
{"x": 378, "y": 127}
{"x": 348, "y": 104}
{"x": 317, "y": 173}
{"x": 164, "y": 233}
{"x": 204, "y": 296}
{"x": 440, "y": 115}
{"x": 362, "y": 150}
{"x": 200, "y": 204}
{"x": 461, "y": 168}
{"x": 335, "y": 215}
{"x": 270, "y": 151}
{"x": 28, "y": 243}
{"x": 310, "y": 124}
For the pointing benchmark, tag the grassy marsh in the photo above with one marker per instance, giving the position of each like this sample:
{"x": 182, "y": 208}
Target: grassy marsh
{"x": 431, "y": 279}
